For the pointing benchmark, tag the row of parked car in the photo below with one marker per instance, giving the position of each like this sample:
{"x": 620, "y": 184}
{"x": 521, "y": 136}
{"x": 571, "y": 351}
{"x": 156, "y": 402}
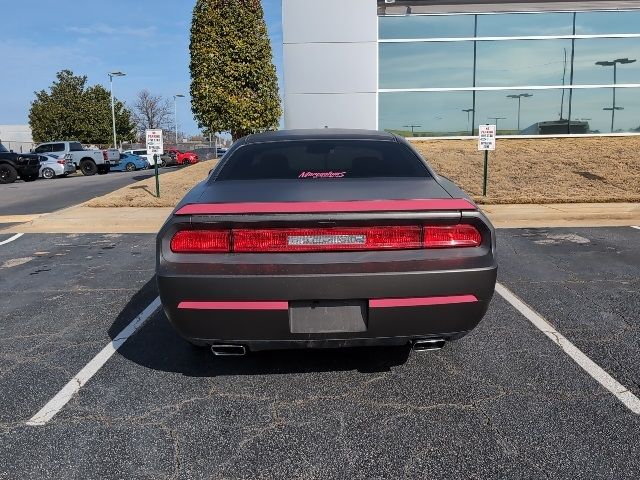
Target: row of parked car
{"x": 58, "y": 159}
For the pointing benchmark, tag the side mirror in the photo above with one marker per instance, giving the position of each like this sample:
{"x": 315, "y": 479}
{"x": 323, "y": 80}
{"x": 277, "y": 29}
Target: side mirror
{"x": 31, "y": 151}
{"x": 11, "y": 151}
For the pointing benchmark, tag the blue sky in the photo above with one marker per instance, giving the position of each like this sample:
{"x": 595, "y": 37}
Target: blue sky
{"x": 149, "y": 40}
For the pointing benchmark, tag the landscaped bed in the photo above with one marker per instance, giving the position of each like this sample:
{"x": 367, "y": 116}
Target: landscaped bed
{"x": 173, "y": 186}
{"x": 558, "y": 170}
{"x": 544, "y": 170}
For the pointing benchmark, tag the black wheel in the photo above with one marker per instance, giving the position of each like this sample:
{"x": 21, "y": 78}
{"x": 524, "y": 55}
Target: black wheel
{"x": 8, "y": 174}
{"x": 29, "y": 178}
{"x": 130, "y": 167}
{"x": 48, "y": 173}
{"x": 88, "y": 167}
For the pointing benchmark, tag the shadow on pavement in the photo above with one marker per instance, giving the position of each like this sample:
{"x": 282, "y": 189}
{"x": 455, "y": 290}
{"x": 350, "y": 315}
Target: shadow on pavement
{"x": 157, "y": 346}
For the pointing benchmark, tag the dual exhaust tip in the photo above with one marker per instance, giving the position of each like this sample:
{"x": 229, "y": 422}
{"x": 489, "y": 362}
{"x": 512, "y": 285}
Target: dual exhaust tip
{"x": 423, "y": 345}
{"x": 228, "y": 350}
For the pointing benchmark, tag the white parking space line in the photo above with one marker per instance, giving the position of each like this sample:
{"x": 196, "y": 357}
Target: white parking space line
{"x": 11, "y": 239}
{"x": 83, "y": 376}
{"x": 607, "y": 381}
{"x": 633, "y": 226}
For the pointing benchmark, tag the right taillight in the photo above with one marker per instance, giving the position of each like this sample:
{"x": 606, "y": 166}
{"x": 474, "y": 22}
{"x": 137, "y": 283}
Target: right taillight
{"x": 201, "y": 241}
{"x": 451, "y": 236}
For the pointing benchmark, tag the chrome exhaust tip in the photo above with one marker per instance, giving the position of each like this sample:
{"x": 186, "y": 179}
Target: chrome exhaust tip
{"x": 428, "y": 344}
{"x": 228, "y": 350}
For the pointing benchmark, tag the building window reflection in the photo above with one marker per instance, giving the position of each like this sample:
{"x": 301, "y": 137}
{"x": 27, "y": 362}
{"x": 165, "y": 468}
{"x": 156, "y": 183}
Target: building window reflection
{"x": 445, "y": 74}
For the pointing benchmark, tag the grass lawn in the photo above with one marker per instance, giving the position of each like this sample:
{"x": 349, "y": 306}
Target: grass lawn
{"x": 562, "y": 170}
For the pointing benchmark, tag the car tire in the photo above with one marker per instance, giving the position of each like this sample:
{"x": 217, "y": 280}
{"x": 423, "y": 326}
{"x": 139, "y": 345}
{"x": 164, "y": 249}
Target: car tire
{"x": 29, "y": 178}
{"x": 8, "y": 174}
{"x": 130, "y": 167}
{"x": 88, "y": 167}
{"x": 48, "y": 173}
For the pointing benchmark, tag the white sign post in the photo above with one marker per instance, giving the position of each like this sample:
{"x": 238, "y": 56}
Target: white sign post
{"x": 155, "y": 144}
{"x": 486, "y": 142}
{"x": 155, "y": 147}
{"x": 486, "y": 137}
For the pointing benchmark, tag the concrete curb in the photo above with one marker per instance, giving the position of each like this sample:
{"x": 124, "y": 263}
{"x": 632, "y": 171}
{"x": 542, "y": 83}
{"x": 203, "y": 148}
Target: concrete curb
{"x": 83, "y": 219}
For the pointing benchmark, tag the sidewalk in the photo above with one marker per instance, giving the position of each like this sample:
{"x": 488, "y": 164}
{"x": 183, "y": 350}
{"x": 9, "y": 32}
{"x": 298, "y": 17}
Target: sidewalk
{"x": 82, "y": 219}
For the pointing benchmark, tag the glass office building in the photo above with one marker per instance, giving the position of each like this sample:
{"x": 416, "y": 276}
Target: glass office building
{"x": 542, "y": 72}
{"x": 443, "y": 67}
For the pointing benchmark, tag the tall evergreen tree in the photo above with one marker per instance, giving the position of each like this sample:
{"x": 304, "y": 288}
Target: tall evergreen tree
{"x": 234, "y": 86}
{"x": 71, "y": 111}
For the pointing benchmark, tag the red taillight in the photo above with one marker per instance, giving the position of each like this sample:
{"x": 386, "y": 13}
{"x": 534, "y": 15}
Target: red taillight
{"x": 105, "y": 157}
{"x": 451, "y": 236}
{"x": 201, "y": 241}
{"x": 61, "y": 162}
{"x": 326, "y": 239}
{"x": 245, "y": 240}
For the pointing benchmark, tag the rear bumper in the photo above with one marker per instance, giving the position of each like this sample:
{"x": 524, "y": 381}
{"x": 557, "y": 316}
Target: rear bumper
{"x": 253, "y": 310}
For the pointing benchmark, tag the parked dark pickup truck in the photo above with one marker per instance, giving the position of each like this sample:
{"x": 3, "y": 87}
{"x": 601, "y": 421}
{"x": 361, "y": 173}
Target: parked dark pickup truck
{"x": 12, "y": 165}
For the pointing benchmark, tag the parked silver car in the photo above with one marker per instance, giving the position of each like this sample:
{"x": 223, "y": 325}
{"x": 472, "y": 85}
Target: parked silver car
{"x": 52, "y": 166}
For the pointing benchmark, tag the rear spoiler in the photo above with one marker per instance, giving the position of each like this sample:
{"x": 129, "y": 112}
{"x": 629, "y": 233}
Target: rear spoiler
{"x": 452, "y": 204}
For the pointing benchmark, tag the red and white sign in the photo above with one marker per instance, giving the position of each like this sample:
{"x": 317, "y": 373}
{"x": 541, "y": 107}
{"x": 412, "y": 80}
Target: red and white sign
{"x": 486, "y": 137}
{"x": 155, "y": 144}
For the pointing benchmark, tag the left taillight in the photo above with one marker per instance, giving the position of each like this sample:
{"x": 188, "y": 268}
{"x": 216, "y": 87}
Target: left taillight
{"x": 201, "y": 241}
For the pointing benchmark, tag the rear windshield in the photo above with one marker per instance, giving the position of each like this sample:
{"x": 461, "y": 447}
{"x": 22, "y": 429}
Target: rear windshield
{"x": 321, "y": 159}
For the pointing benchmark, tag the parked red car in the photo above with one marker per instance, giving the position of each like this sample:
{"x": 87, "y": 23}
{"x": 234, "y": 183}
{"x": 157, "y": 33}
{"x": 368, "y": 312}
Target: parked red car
{"x": 183, "y": 158}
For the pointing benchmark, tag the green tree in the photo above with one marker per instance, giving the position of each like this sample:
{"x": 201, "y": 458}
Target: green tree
{"x": 72, "y": 111}
{"x": 234, "y": 86}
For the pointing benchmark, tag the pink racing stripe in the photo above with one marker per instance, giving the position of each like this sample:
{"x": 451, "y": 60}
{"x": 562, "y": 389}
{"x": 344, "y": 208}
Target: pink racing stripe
{"x": 420, "y": 302}
{"x": 327, "y": 206}
{"x": 233, "y": 306}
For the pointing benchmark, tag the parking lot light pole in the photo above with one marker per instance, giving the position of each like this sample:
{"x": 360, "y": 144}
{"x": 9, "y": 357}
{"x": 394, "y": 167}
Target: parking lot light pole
{"x": 113, "y": 108}
{"x": 520, "y": 97}
{"x": 412, "y": 127}
{"x": 468, "y": 111}
{"x": 495, "y": 121}
{"x": 175, "y": 113}
{"x": 614, "y": 64}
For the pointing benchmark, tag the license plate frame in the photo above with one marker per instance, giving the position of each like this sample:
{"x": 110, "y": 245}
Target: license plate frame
{"x": 328, "y": 316}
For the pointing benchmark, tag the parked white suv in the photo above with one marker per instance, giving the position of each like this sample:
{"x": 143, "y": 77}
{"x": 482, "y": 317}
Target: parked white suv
{"x": 89, "y": 162}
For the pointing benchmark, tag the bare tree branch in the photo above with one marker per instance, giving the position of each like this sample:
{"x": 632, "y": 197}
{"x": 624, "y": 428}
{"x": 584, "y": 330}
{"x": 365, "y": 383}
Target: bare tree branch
{"x": 152, "y": 111}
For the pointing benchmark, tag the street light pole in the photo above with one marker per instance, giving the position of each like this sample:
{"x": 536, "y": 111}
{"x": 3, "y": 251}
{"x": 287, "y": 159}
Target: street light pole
{"x": 113, "y": 108}
{"x": 614, "y": 64}
{"x": 520, "y": 97}
{"x": 469, "y": 110}
{"x": 412, "y": 127}
{"x": 175, "y": 113}
{"x": 495, "y": 120}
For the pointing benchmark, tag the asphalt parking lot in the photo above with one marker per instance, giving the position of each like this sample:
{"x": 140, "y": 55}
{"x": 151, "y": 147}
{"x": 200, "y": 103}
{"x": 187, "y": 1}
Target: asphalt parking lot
{"x": 44, "y": 196}
{"x": 503, "y": 402}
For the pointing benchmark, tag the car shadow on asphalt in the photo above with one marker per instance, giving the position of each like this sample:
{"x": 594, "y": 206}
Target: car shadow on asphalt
{"x": 157, "y": 346}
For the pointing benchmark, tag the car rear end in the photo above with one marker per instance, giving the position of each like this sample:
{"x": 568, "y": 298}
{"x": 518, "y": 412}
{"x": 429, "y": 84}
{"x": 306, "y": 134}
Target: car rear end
{"x": 281, "y": 249}
{"x": 111, "y": 156}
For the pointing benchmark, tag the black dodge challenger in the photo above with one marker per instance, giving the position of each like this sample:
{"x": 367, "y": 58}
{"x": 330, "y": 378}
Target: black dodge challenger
{"x": 325, "y": 238}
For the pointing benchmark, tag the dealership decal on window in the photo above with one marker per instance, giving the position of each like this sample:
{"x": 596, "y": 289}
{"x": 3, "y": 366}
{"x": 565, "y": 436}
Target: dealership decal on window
{"x": 322, "y": 175}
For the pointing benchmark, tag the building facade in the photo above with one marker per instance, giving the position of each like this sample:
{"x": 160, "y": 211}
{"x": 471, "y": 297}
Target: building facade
{"x": 441, "y": 68}
{"x": 16, "y": 137}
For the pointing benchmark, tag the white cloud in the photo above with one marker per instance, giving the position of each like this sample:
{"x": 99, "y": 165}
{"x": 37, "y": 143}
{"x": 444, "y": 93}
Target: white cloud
{"x": 104, "y": 29}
